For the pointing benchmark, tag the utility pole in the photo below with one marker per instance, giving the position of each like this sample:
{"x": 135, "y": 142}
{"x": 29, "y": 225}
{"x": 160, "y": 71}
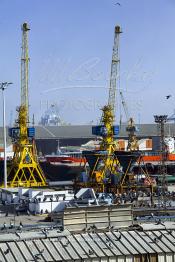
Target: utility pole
{"x": 3, "y": 86}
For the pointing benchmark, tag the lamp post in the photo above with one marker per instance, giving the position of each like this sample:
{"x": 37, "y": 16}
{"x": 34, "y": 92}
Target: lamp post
{"x": 3, "y": 86}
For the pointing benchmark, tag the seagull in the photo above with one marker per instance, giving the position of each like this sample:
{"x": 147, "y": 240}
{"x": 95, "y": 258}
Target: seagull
{"x": 152, "y": 214}
{"x": 168, "y": 96}
{"x": 159, "y": 237}
{"x": 66, "y": 242}
{"x": 18, "y": 235}
{"x": 118, "y": 238}
{"x": 90, "y": 252}
{"x": 159, "y": 222}
{"x": 37, "y": 256}
{"x": 44, "y": 231}
{"x": 59, "y": 238}
{"x": 94, "y": 226}
{"x": 154, "y": 240}
{"x": 6, "y": 251}
{"x": 110, "y": 245}
{"x": 118, "y": 4}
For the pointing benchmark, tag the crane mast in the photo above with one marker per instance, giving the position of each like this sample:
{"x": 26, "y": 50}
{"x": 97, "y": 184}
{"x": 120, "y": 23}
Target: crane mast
{"x": 25, "y": 68}
{"x": 114, "y": 70}
{"x": 24, "y": 107}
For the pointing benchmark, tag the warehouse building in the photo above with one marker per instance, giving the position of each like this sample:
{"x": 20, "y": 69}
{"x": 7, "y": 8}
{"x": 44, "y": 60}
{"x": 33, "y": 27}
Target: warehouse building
{"x": 47, "y": 136}
{"x": 121, "y": 246}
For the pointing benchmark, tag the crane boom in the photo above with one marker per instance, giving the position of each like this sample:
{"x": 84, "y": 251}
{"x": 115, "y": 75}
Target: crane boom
{"x": 114, "y": 70}
{"x": 25, "y": 69}
{"x": 131, "y": 128}
{"x": 124, "y": 106}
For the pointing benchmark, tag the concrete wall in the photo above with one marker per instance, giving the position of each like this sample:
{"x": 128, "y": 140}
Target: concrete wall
{"x": 101, "y": 216}
{"x": 47, "y": 207}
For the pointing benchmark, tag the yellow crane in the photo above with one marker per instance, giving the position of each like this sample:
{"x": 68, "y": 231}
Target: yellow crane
{"x": 25, "y": 170}
{"x": 103, "y": 163}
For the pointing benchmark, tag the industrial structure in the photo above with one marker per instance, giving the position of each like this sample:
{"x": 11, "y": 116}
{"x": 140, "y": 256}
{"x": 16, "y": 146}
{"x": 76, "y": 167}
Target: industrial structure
{"x": 51, "y": 116}
{"x": 131, "y": 128}
{"x": 75, "y": 135}
{"x": 25, "y": 170}
{"x": 161, "y": 120}
{"x": 115, "y": 216}
{"x": 151, "y": 244}
{"x": 104, "y": 161}
{"x": 109, "y": 168}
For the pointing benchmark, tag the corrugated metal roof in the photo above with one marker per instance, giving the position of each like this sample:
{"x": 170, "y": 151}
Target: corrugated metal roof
{"x": 56, "y": 246}
{"x": 85, "y": 131}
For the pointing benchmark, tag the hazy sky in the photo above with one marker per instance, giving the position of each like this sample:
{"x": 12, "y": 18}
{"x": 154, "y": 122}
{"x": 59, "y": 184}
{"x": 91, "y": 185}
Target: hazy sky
{"x": 70, "y": 46}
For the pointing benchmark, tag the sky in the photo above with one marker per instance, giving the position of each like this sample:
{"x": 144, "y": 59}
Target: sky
{"x": 70, "y": 49}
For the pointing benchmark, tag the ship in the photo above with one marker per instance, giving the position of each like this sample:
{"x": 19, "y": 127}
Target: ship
{"x": 63, "y": 166}
{"x": 153, "y": 156}
{"x": 71, "y": 157}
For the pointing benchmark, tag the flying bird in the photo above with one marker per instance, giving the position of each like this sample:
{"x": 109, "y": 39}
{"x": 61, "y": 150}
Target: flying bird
{"x": 168, "y": 96}
{"x": 118, "y": 4}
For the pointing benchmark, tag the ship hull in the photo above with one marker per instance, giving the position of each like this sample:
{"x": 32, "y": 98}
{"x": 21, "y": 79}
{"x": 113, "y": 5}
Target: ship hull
{"x": 53, "y": 172}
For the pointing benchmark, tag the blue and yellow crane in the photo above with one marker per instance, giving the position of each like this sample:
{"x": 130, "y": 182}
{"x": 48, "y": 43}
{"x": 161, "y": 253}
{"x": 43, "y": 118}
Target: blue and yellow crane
{"x": 25, "y": 170}
{"x": 103, "y": 164}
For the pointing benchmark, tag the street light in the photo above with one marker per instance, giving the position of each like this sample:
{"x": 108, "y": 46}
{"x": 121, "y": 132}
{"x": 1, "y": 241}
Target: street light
{"x": 3, "y": 86}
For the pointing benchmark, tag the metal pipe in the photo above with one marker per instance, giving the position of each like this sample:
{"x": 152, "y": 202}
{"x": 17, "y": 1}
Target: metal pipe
{"x": 4, "y": 134}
